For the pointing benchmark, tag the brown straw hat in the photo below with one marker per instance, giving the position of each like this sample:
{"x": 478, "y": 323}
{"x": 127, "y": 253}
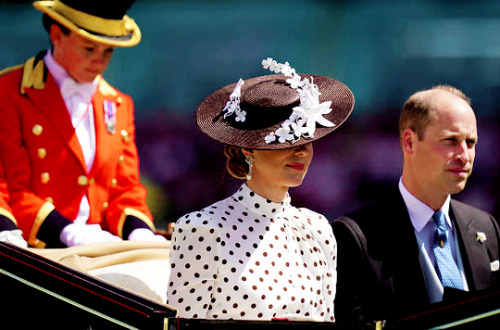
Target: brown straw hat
{"x": 262, "y": 111}
{"x": 99, "y": 21}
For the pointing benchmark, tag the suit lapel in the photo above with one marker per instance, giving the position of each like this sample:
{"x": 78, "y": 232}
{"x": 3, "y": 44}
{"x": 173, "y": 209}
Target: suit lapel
{"x": 409, "y": 283}
{"x": 474, "y": 255}
{"x": 51, "y": 104}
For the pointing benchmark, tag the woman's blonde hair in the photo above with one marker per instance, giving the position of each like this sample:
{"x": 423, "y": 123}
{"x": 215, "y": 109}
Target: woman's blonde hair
{"x": 235, "y": 163}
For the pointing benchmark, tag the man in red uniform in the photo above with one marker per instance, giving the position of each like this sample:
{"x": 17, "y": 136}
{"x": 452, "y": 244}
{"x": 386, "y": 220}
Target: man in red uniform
{"x": 68, "y": 137}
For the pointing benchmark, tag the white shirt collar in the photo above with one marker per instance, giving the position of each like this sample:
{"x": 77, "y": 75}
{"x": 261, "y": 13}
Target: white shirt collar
{"x": 420, "y": 213}
{"x": 58, "y": 72}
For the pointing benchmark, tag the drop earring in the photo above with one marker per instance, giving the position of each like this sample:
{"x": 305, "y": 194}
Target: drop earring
{"x": 249, "y": 160}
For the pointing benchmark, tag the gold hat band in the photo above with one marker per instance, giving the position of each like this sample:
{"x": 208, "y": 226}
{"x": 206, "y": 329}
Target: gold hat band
{"x": 109, "y": 27}
{"x": 115, "y": 32}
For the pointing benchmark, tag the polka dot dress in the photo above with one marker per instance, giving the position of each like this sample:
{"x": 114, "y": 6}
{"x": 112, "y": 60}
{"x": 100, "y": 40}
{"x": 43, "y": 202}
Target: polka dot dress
{"x": 248, "y": 258}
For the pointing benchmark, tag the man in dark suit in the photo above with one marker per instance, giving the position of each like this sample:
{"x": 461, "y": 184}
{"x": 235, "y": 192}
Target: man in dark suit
{"x": 390, "y": 253}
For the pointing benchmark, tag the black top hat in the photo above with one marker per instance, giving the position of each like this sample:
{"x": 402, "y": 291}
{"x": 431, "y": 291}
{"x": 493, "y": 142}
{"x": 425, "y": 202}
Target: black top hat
{"x": 104, "y": 23}
{"x": 272, "y": 112}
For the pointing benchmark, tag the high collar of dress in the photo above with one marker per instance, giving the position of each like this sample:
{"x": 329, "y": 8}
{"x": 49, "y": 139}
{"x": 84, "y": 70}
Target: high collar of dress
{"x": 259, "y": 204}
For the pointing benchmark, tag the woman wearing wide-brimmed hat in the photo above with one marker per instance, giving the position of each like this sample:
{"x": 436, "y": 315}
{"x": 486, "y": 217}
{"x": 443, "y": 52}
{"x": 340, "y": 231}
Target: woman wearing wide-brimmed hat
{"x": 253, "y": 255}
{"x": 67, "y": 142}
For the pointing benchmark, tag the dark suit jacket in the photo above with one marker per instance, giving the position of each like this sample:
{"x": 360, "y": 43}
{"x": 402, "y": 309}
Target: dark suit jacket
{"x": 378, "y": 267}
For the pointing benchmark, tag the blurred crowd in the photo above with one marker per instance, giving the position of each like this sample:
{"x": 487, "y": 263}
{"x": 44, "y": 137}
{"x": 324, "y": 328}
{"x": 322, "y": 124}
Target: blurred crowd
{"x": 185, "y": 171}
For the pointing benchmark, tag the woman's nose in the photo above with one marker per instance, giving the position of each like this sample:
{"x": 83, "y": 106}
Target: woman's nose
{"x": 304, "y": 150}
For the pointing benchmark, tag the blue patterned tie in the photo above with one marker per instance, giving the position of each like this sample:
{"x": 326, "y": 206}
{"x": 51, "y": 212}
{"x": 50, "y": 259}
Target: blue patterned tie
{"x": 447, "y": 269}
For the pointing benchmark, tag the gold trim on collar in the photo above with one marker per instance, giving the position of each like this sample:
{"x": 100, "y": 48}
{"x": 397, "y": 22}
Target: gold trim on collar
{"x": 10, "y": 69}
{"x": 105, "y": 88}
{"x": 33, "y": 75}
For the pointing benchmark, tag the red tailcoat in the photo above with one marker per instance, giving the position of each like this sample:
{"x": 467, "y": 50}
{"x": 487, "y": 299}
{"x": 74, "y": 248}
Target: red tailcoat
{"x": 43, "y": 160}
{"x": 4, "y": 198}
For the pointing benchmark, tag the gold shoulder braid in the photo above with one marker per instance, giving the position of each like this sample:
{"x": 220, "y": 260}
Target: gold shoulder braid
{"x": 10, "y": 69}
{"x": 34, "y": 73}
{"x": 106, "y": 89}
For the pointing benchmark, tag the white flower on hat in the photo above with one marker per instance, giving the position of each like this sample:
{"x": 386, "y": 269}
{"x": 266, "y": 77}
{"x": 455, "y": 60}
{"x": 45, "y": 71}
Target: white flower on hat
{"x": 295, "y": 82}
{"x": 284, "y": 134}
{"x": 271, "y": 137}
{"x": 313, "y": 115}
{"x": 233, "y": 105}
{"x": 304, "y": 118}
{"x": 240, "y": 115}
{"x": 287, "y": 70}
{"x": 302, "y": 121}
{"x": 271, "y": 64}
{"x": 266, "y": 63}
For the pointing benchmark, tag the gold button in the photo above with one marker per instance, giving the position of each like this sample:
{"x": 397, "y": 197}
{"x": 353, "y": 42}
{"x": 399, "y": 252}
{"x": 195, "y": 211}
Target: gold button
{"x": 105, "y": 205}
{"x": 119, "y": 99}
{"x": 37, "y": 129}
{"x": 82, "y": 180}
{"x": 50, "y": 200}
{"x": 45, "y": 177}
{"x": 91, "y": 181}
{"x": 42, "y": 153}
{"x": 114, "y": 182}
{"x": 124, "y": 134}
{"x": 120, "y": 160}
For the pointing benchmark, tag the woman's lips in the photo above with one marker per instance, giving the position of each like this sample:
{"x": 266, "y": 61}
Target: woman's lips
{"x": 296, "y": 166}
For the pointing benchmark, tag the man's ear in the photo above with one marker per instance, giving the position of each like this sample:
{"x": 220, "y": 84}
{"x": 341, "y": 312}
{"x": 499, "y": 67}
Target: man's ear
{"x": 55, "y": 34}
{"x": 408, "y": 140}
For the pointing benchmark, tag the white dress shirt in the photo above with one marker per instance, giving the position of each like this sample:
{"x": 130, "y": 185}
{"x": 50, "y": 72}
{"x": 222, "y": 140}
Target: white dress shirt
{"x": 81, "y": 111}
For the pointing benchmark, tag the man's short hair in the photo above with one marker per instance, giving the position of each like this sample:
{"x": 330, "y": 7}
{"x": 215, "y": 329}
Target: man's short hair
{"x": 416, "y": 110}
{"x": 48, "y": 21}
